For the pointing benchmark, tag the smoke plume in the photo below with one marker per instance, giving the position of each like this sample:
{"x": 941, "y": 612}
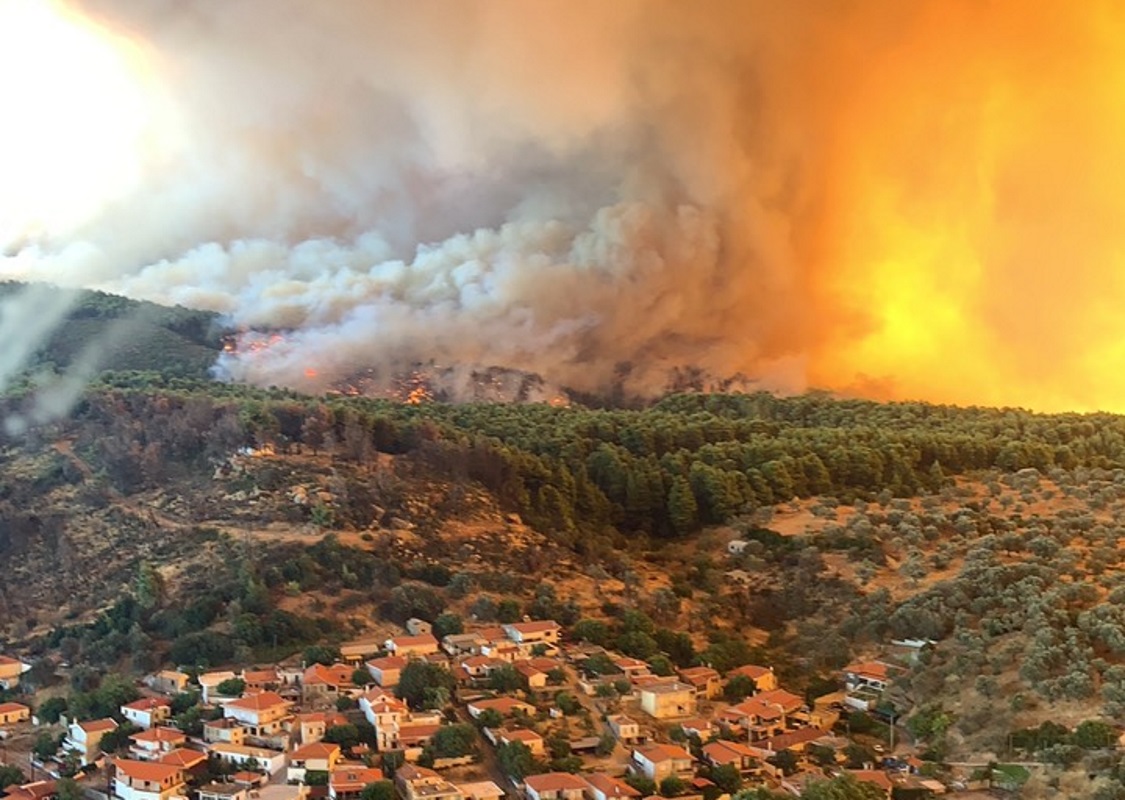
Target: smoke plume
{"x": 898, "y": 200}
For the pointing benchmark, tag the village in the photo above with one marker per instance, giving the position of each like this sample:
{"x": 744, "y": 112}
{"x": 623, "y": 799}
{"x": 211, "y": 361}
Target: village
{"x": 514, "y": 710}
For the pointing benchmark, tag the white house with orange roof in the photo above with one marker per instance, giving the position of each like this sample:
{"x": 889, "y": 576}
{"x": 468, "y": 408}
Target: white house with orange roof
{"x": 873, "y": 675}
{"x": 555, "y": 786}
{"x": 316, "y": 757}
{"x": 147, "y": 712}
{"x": 85, "y": 738}
{"x": 262, "y": 715}
{"x": 504, "y": 706}
{"x": 145, "y": 780}
{"x": 150, "y": 745}
{"x": 480, "y": 790}
{"x": 659, "y": 761}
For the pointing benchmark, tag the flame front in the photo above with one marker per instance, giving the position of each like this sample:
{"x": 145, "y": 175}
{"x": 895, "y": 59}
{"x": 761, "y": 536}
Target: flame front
{"x": 974, "y": 240}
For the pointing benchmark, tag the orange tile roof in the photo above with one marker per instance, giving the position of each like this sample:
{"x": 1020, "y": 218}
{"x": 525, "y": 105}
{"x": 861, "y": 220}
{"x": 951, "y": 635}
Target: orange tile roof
{"x": 8, "y": 708}
{"x": 724, "y": 752}
{"x": 538, "y": 626}
{"x": 787, "y": 700}
{"x": 664, "y": 752}
{"x": 183, "y": 758}
{"x": 521, "y": 735}
{"x": 147, "y": 704}
{"x": 504, "y": 705}
{"x": 874, "y": 776}
{"x": 554, "y": 782}
{"x": 353, "y": 779}
{"x": 147, "y": 770}
{"x": 609, "y": 785}
{"x": 388, "y": 662}
{"x": 96, "y": 725}
{"x": 869, "y": 669}
{"x": 410, "y": 641}
{"x": 159, "y": 735}
{"x": 258, "y": 702}
{"x": 7, "y": 661}
{"x": 315, "y": 750}
{"x": 32, "y": 791}
{"x": 751, "y": 671}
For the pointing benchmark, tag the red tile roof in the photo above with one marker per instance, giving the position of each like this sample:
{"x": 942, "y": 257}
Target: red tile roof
{"x": 664, "y": 752}
{"x": 609, "y": 785}
{"x": 159, "y": 735}
{"x": 353, "y": 779}
{"x": 258, "y": 702}
{"x": 315, "y": 750}
{"x": 147, "y": 704}
{"x": 183, "y": 758}
{"x": 147, "y": 770}
{"x": 554, "y": 782}
{"x": 96, "y": 725}
{"x": 9, "y": 708}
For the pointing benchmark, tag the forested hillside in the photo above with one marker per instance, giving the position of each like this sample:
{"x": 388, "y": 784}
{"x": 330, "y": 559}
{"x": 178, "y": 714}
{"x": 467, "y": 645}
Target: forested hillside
{"x": 252, "y": 523}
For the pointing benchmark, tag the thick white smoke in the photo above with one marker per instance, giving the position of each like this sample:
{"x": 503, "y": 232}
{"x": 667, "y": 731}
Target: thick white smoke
{"x": 561, "y": 188}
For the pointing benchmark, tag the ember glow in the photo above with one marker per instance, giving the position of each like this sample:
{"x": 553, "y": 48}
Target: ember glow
{"x": 894, "y": 200}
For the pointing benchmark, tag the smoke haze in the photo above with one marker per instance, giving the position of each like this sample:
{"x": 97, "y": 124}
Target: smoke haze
{"x": 897, "y": 200}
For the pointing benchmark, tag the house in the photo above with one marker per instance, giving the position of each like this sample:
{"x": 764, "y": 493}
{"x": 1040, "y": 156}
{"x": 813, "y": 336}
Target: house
{"x": 169, "y": 681}
{"x": 720, "y": 752}
{"x": 698, "y": 727}
{"x": 504, "y": 706}
{"x": 545, "y": 631}
{"x": 85, "y": 738}
{"x": 659, "y": 761}
{"x": 422, "y": 645}
{"x": 147, "y": 712}
{"x": 347, "y": 782}
{"x": 263, "y": 714}
{"x": 478, "y": 667}
{"x": 667, "y": 700}
{"x": 386, "y": 671}
{"x": 481, "y": 790}
{"x": 736, "y": 547}
{"x": 463, "y": 644}
{"x": 225, "y": 729}
{"x": 796, "y": 740}
{"x": 11, "y": 713}
{"x": 417, "y": 627}
{"x": 764, "y": 715}
{"x": 269, "y": 760}
{"x": 327, "y": 683}
{"x": 555, "y": 786}
{"x": 414, "y": 735}
{"x": 10, "y": 671}
{"x": 359, "y": 650}
{"x": 873, "y": 675}
{"x": 313, "y": 725}
{"x": 37, "y": 790}
{"x": 150, "y": 745}
{"x": 764, "y": 678}
{"x": 316, "y": 757}
{"x": 261, "y": 680}
{"x": 606, "y": 787}
{"x": 533, "y": 677}
{"x": 146, "y": 780}
{"x": 704, "y": 680}
{"x": 208, "y": 682}
{"x": 385, "y": 712}
{"x": 873, "y": 776}
{"x": 223, "y": 791}
{"x": 185, "y": 759}
{"x": 626, "y": 729}
{"x": 632, "y": 667}
{"x": 419, "y": 783}
{"x": 532, "y": 740}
